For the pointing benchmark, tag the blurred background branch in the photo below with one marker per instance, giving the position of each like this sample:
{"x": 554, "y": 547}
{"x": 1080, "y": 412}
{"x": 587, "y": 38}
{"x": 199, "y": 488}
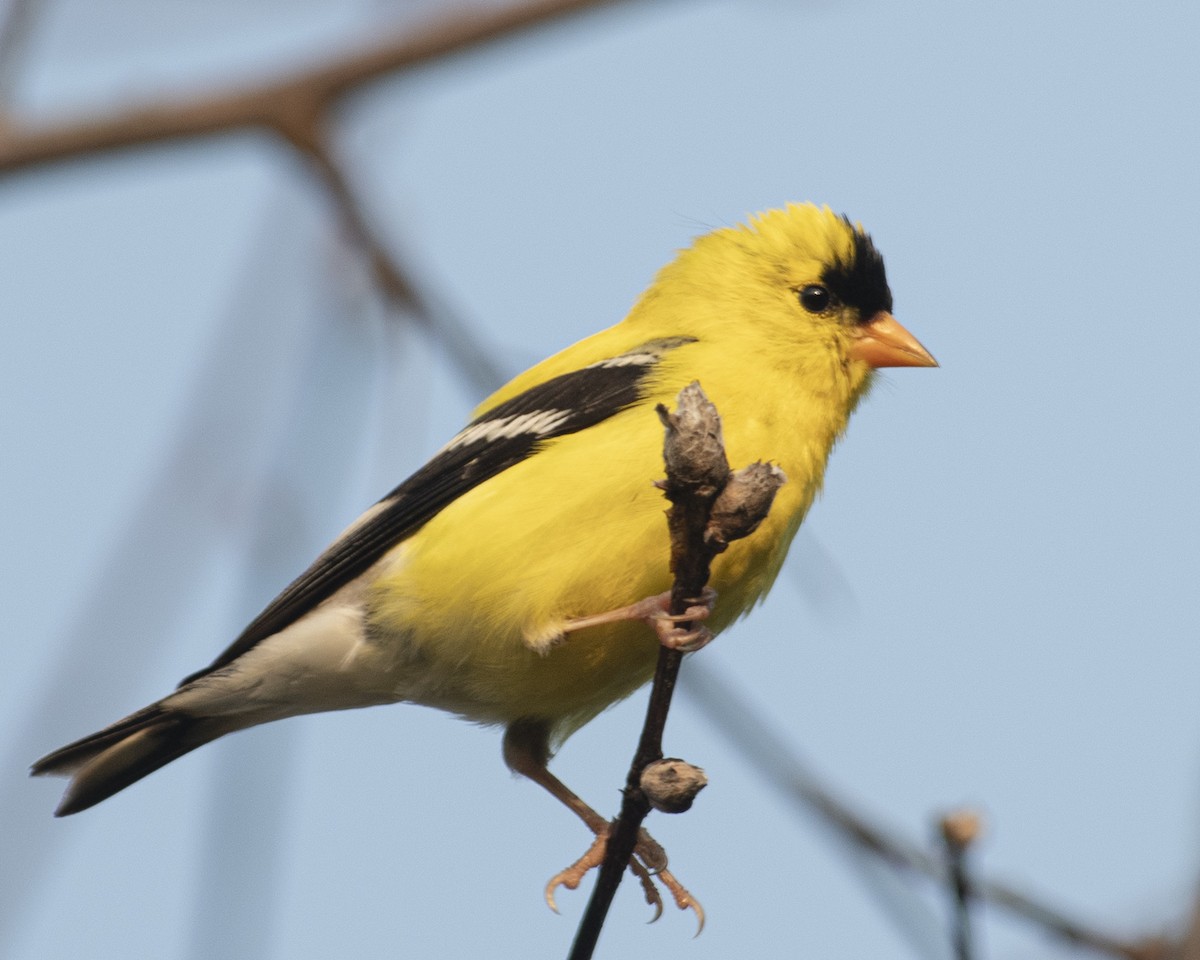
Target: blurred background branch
{"x": 735, "y": 718}
{"x": 300, "y": 108}
{"x": 290, "y": 105}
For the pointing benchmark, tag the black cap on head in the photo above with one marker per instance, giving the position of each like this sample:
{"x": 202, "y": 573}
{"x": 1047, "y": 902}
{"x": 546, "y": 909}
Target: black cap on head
{"x": 861, "y": 282}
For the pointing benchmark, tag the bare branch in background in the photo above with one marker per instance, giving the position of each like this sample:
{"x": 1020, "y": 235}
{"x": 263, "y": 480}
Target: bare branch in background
{"x": 1189, "y": 946}
{"x": 300, "y": 108}
{"x": 285, "y": 104}
{"x": 959, "y": 831}
{"x": 759, "y": 744}
{"x": 476, "y": 364}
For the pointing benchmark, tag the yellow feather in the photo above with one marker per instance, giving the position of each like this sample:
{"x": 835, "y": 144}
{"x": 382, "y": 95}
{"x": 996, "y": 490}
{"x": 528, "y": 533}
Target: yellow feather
{"x": 578, "y": 528}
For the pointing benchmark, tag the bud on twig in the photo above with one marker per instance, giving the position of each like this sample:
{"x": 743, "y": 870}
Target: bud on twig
{"x": 960, "y": 828}
{"x": 671, "y": 785}
{"x": 743, "y": 504}
{"x": 694, "y": 449}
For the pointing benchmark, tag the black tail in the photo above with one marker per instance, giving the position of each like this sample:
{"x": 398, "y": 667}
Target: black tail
{"x": 112, "y": 759}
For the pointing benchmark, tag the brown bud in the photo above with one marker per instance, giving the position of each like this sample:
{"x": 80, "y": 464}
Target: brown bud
{"x": 671, "y": 785}
{"x": 744, "y": 503}
{"x": 694, "y": 449}
{"x": 961, "y": 828}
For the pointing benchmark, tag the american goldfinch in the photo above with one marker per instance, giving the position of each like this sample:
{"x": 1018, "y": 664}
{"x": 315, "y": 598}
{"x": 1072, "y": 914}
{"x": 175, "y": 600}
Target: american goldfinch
{"x": 501, "y": 581}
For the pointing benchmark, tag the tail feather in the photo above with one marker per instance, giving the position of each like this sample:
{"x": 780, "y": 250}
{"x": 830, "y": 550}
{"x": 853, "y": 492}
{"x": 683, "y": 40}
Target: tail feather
{"x": 110, "y": 760}
{"x": 66, "y": 760}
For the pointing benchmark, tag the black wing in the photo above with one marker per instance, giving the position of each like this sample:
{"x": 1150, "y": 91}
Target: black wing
{"x": 490, "y": 444}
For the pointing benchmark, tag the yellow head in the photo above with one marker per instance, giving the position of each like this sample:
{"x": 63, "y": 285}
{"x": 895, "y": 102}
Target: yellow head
{"x": 806, "y": 289}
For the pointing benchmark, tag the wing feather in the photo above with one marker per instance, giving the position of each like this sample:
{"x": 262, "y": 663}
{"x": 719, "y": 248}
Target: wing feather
{"x": 491, "y": 443}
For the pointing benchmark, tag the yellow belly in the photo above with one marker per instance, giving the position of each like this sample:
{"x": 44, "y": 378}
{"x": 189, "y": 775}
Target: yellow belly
{"x": 500, "y": 565}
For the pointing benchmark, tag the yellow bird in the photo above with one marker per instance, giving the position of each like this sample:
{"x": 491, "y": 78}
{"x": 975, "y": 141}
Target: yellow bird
{"x": 506, "y": 580}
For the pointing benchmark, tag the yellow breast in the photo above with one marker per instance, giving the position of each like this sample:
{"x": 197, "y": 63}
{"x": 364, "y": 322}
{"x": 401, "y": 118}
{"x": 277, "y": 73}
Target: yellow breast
{"x": 576, "y": 529}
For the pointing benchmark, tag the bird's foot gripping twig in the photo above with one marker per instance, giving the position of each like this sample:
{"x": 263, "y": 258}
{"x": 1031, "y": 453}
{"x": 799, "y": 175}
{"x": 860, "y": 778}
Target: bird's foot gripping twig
{"x": 675, "y": 631}
{"x": 649, "y": 864}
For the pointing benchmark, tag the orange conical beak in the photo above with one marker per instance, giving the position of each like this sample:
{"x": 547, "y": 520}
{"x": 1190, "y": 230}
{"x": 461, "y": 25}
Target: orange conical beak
{"x": 882, "y": 342}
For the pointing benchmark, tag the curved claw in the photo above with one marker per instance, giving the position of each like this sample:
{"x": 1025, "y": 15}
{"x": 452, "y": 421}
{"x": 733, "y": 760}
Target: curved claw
{"x": 555, "y": 882}
{"x": 649, "y": 890}
{"x": 682, "y": 897}
{"x": 685, "y": 641}
{"x": 699, "y": 608}
{"x": 666, "y": 625}
{"x": 648, "y": 865}
{"x": 574, "y": 874}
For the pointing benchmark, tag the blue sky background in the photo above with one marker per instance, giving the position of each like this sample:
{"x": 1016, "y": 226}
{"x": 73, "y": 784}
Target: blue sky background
{"x": 993, "y": 604}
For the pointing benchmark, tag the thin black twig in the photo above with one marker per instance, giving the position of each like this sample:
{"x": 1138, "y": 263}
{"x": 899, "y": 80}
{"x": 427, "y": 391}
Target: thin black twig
{"x": 710, "y": 507}
{"x": 959, "y": 830}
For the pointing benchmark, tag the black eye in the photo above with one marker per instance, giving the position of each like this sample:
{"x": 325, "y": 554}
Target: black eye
{"x": 815, "y": 298}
